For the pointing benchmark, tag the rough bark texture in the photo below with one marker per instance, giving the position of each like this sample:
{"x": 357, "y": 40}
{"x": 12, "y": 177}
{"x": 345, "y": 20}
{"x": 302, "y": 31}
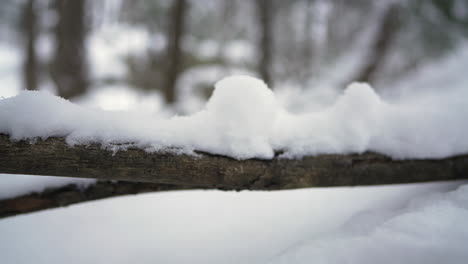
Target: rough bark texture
{"x": 54, "y": 157}
{"x": 72, "y": 194}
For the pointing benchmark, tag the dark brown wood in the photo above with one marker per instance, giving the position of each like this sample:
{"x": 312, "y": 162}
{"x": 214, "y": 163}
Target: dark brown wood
{"x": 73, "y": 194}
{"x": 54, "y": 157}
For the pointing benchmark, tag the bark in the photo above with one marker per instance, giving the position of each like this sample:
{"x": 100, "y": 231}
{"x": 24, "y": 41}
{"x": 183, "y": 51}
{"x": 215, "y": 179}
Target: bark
{"x": 265, "y": 16}
{"x": 68, "y": 68}
{"x": 29, "y": 25}
{"x": 54, "y": 157}
{"x": 73, "y": 194}
{"x": 175, "y": 34}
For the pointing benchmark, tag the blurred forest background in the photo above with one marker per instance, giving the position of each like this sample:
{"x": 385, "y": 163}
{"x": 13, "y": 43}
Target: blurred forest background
{"x": 172, "y": 51}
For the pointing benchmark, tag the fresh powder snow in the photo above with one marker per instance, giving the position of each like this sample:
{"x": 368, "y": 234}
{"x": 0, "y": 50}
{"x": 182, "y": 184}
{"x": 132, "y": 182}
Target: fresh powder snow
{"x": 243, "y": 119}
{"x": 411, "y": 223}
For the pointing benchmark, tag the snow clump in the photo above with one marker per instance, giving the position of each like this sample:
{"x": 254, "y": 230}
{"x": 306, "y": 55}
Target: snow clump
{"x": 243, "y": 119}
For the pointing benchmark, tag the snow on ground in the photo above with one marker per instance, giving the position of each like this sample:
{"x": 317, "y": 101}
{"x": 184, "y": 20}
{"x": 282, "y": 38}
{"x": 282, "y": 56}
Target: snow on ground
{"x": 13, "y": 185}
{"x": 417, "y": 223}
{"x": 243, "y": 119}
{"x": 429, "y": 229}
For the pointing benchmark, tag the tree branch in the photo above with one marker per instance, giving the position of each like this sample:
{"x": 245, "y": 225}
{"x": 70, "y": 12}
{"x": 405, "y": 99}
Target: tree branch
{"x": 73, "y": 194}
{"x": 54, "y": 157}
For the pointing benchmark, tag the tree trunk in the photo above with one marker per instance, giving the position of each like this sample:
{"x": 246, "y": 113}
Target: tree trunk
{"x": 265, "y": 45}
{"x": 68, "y": 67}
{"x": 381, "y": 46}
{"x": 29, "y": 26}
{"x": 175, "y": 33}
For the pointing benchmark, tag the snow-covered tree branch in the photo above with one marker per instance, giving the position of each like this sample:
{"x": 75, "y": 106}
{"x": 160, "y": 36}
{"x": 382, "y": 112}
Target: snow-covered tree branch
{"x": 54, "y": 157}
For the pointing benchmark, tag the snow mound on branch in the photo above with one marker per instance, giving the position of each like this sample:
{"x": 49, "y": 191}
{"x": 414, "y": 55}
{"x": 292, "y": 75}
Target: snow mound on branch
{"x": 244, "y": 120}
{"x": 244, "y": 112}
{"x": 346, "y": 127}
{"x": 244, "y": 100}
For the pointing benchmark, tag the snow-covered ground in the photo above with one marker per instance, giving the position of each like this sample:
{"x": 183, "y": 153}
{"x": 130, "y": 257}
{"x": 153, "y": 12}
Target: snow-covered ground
{"x": 420, "y": 223}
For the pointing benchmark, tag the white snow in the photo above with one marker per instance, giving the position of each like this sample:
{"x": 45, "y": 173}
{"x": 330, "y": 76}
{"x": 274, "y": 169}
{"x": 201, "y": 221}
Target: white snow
{"x": 244, "y": 111}
{"x": 430, "y": 229}
{"x": 416, "y": 223}
{"x": 243, "y": 119}
{"x": 12, "y": 185}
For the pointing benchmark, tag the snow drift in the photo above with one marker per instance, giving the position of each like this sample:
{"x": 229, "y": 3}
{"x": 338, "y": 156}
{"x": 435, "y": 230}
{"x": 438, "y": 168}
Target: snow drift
{"x": 413, "y": 223}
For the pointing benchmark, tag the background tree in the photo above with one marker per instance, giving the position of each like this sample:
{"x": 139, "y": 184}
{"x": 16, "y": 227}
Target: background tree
{"x": 30, "y": 29}
{"x": 175, "y": 34}
{"x": 386, "y": 32}
{"x": 265, "y": 15}
{"x": 68, "y": 68}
